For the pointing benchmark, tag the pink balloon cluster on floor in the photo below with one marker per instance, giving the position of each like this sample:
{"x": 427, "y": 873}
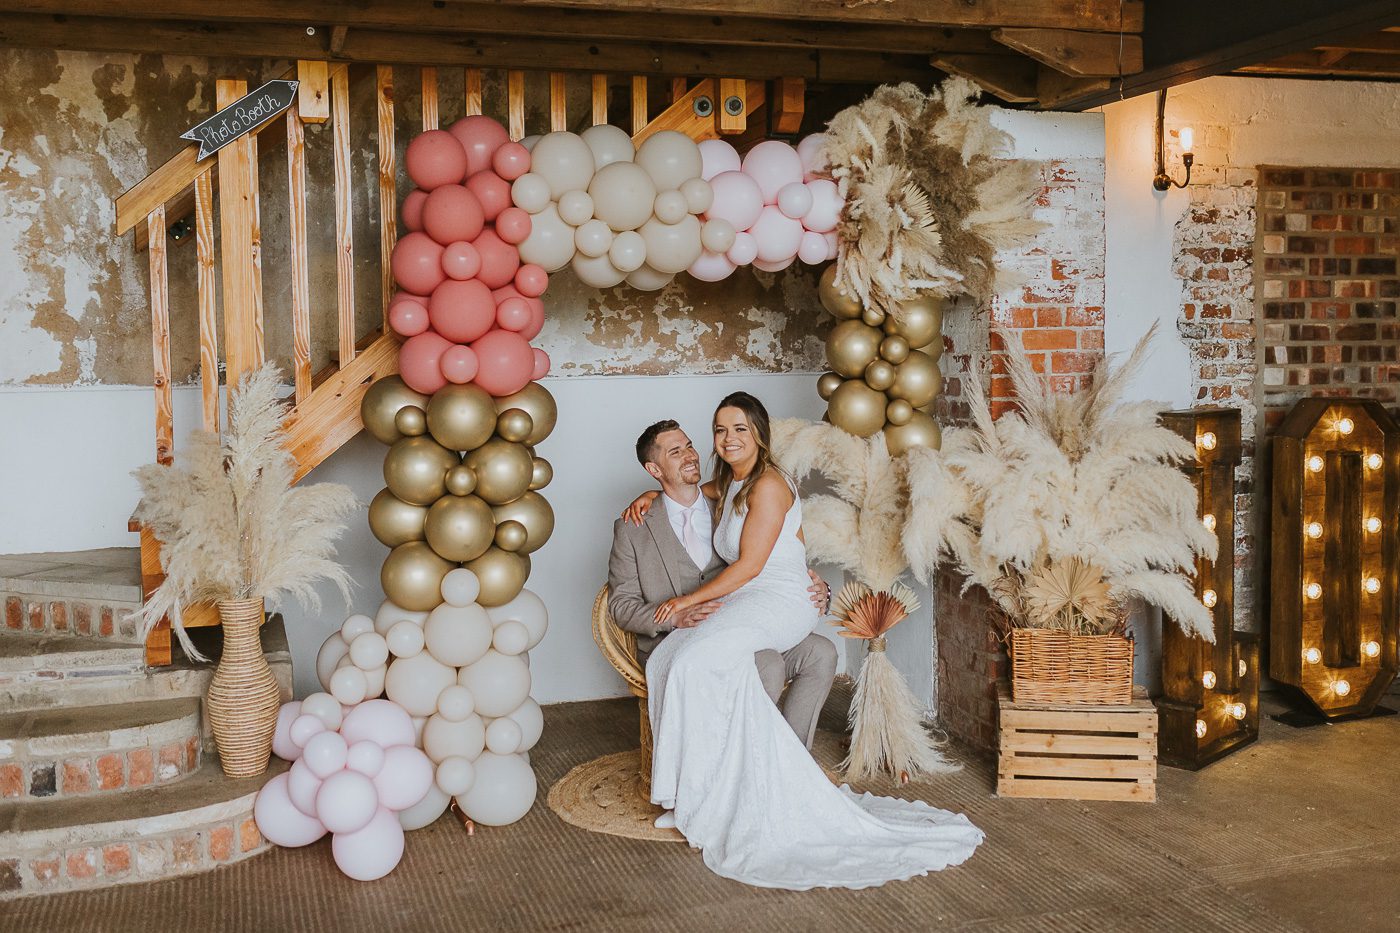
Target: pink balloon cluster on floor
{"x": 468, "y": 306}
{"x": 355, "y": 774}
{"x": 775, "y": 203}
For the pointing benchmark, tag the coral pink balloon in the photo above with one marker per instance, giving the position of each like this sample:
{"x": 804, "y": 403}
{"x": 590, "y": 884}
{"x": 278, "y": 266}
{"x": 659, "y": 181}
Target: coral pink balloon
{"x": 711, "y": 267}
{"x": 480, "y": 137}
{"x": 825, "y": 211}
{"x": 499, "y": 260}
{"x": 372, "y": 851}
{"x": 280, "y": 822}
{"x": 812, "y": 249}
{"x": 407, "y": 318}
{"x": 744, "y": 250}
{"x": 773, "y": 164}
{"x": 452, "y": 213}
{"x": 810, "y": 151}
{"x": 514, "y": 313}
{"x": 420, "y": 362}
{"x": 738, "y": 199}
{"x": 531, "y": 280}
{"x": 460, "y": 260}
{"x": 459, "y": 365}
{"x": 506, "y": 361}
{"x": 462, "y": 311}
{"x": 435, "y": 158}
{"x": 405, "y": 778}
{"x": 778, "y": 236}
{"x": 716, "y": 156}
{"x": 412, "y": 209}
{"x": 511, "y": 161}
{"x": 513, "y": 225}
{"x": 536, "y": 319}
{"x": 417, "y": 264}
{"x": 541, "y": 364}
{"x": 492, "y": 191}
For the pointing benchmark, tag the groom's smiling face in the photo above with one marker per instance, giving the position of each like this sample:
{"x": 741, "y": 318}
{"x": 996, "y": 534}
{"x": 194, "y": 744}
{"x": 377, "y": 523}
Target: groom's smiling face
{"x": 676, "y": 462}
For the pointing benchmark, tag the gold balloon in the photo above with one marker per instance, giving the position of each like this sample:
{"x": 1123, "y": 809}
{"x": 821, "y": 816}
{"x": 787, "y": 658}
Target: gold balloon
{"x": 412, "y": 576}
{"x": 534, "y": 512}
{"x": 879, "y": 375}
{"x": 502, "y": 576}
{"x": 834, "y": 299}
{"x": 461, "y": 480}
{"x": 856, "y": 408}
{"x": 510, "y": 536}
{"x": 515, "y": 424}
{"x": 381, "y": 404}
{"x": 411, "y": 421}
{"x": 459, "y": 527}
{"x": 898, "y": 412}
{"x": 873, "y": 316}
{"x": 917, "y": 380}
{"x": 394, "y": 521}
{"x": 461, "y": 417}
{"x": 919, "y": 321}
{"x": 894, "y": 348}
{"x": 541, "y": 473}
{"x": 536, "y": 402}
{"x": 503, "y": 470}
{"x": 827, "y": 383}
{"x": 851, "y": 346}
{"x": 415, "y": 469}
{"x": 919, "y": 431}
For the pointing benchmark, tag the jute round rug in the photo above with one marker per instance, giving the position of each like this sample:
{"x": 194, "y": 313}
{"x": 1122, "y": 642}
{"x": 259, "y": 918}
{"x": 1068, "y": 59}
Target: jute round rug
{"x": 603, "y": 796}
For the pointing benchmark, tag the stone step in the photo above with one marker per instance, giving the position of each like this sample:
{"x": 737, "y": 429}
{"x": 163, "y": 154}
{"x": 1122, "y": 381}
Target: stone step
{"x": 79, "y": 750}
{"x": 29, "y": 658}
{"x": 86, "y": 593}
{"x": 157, "y": 832}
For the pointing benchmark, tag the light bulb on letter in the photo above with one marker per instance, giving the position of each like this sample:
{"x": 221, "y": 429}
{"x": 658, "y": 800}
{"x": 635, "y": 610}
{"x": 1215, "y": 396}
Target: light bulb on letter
{"x": 1209, "y": 440}
{"x": 1373, "y": 524}
{"x": 1200, "y": 728}
{"x": 1209, "y": 521}
{"x": 1313, "y": 530}
{"x": 1243, "y": 668}
{"x": 1371, "y": 585}
{"x": 1208, "y": 680}
{"x": 1315, "y": 464}
{"x": 1210, "y": 598}
{"x": 1341, "y": 688}
{"x": 1345, "y": 426}
{"x": 1312, "y": 655}
{"x": 1371, "y": 649}
{"x": 1313, "y": 590}
{"x": 1374, "y": 461}
{"x": 1237, "y": 710}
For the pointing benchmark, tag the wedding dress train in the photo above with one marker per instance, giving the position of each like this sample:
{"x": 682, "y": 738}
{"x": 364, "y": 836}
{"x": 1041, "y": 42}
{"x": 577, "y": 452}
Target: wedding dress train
{"x": 744, "y": 788}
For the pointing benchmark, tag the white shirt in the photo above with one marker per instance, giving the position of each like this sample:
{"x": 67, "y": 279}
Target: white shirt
{"x": 699, "y": 513}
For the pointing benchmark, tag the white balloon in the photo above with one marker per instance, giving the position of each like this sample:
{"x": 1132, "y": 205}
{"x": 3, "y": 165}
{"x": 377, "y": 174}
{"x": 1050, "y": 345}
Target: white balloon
{"x": 698, "y": 195}
{"x": 623, "y": 194}
{"x": 369, "y": 650}
{"x": 609, "y": 144}
{"x": 425, "y": 811}
{"x": 628, "y": 252}
{"x": 418, "y": 723}
{"x": 325, "y": 754}
{"x": 302, "y": 785}
{"x": 551, "y": 241}
{"x": 717, "y": 235}
{"x": 455, "y": 775}
{"x": 503, "y": 736}
{"x": 671, "y": 248}
{"x": 282, "y": 745}
{"x": 374, "y": 682}
{"x": 325, "y": 708}
{"x": 278, "y": 819}
{"x": 372, "y": 851}
{"x": 597, "y": 271}
{"x": 499, "y": 682}
{"x": 530, "y": 193}
{"x": 530, "y": 718}
{"x": 458, "y": 635}
{"x": 443, "y": 738}
{"x": 348, "y": 685}
{"x": 378, "y": 721}
{"x": 328, "y": 658}
{"x": 355, "y": 626}
{"x": 593, "y": 238}
{"x": 405, "y": 639}
{"x": 303, "y": 728}
{"x": 346, "y": 801}
{"x": 670, "y": 158}
{"x": 529, "y": 142}
{"x": 406, "y": 776}
{"x": 575, "y": 207}
{"x": 390, "y": 615}
{"x": 669, "y": 207}
{"x": 744, "y": 250}
{"x": 503, "y": 792}
{"x": 564, "y": 160}
{"x": 794, "y": 200}
{"x": 460, "y": 588}
{"x": 526, "y": 608}
{"x": 456, "y": 703}
{"x": 825, "y": 212}
{"x": 511, "y": 637}
{"x": 366, "y": 758}
{"x": 414, "y": 683}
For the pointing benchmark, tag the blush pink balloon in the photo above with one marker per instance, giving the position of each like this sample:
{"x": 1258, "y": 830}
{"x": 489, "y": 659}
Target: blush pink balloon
{"x": 513, "y": 225}
{"x": 531, "y": 280}
{"x": 459, "y": 365}
{"x": 514, "y": 313}
{"x": 541, "y": 368}
{"x": 825, "y": 211}
{"x": 420, "y": 362}
{"x": 744, "y": 250}
{"x": 511, "y": 161}
{"x": 738, "y": 199}
{"x": 499, "y": 260}
{"x": 407, "y": 318}
{"x": 405, "y": 778}
{"x": 711, "y": 267}
{"x": 372, "y": 851}
{"x": 282, "y": 745}
{"x": 462, "y": 311}
{"x": 412, "y": 209}
{"x": 278, "y": 819}
{"x": 480, "y": 137}
{"x": 382, "y": 722}
{"x": 832, "y": 245}
{"x": 716, "y": 156}
{"x": 417, "y": 263}
{"x": 460, "y": 260}
{"x": 492, "y": 191}
{"x": 810, "y": 151}
{"x": 435, "y": 158}
{"x": 778, "y": 266}
{"x": 778, "y": 236}
{"x": 773, "y": 164}
{"x": 452, "y": 213}
{"x": 505, "y": 362}
{"x": 812, "y": 249}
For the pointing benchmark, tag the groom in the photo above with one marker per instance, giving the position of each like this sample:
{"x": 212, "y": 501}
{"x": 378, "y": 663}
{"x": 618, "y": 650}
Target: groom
{"x": 671, "y": 554}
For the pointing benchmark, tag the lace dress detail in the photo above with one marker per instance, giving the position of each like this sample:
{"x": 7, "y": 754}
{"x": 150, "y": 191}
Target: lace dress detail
{"x": 743, "y": 787}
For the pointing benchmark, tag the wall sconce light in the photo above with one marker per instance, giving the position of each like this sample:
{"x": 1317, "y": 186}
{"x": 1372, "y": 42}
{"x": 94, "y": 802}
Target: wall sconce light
{"x": 1162, "y": 181}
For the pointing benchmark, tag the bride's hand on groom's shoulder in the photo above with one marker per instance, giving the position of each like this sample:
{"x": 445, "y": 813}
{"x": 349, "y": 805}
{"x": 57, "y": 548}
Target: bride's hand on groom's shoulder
{"x": 637, "y": 510}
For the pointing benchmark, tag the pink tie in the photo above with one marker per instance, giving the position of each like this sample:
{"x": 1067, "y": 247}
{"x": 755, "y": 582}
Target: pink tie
{"x": 693, "y": 545}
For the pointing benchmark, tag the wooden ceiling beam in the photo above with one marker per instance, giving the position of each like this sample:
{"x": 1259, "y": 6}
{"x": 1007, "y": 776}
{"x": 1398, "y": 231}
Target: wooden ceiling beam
{"x": 1081, "y": 54}
{"x": 1013, "y": 78}
{"x": 1316, "y": 63}
{"x": 1383, "y": 42}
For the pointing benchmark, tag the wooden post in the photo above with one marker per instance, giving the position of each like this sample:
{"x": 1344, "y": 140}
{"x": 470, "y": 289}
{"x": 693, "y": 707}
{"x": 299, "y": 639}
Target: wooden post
{"x": 297, "y": 246}
{"x": 558, "y": 106}
{"x": 471, "y": 84}
{"x": 388, "y": 197}
{"x": 313, "y": 91}
{"x": 677, "y": 89}
{"x": 160, "y": 336}
{"x": 430, "y": 98}
{"x": 515, "y": 103}
{"x": 732, "y": 123}
{"x": 208, "y": 303}
{"x": 344, "y": 222}
{"x": 789, "y": 101}
{"x": 241, "y": 240}
{"x": 639, "y": 103}
{"x": 600, "y": 100}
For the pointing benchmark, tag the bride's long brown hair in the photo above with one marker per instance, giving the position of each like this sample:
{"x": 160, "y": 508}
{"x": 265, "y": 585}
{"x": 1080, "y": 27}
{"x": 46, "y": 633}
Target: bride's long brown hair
{"x": 757, "y": 417}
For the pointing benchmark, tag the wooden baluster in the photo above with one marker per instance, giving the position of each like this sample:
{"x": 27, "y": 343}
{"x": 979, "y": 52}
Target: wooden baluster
{"x": 430, "y": 99}
{"x": 241, "y": 242}
{"x": 301, "y": 269}
{"x": 558, "y": 106}
{"x": 639, "y": 103}
{"x": 600, "y": 99}
{"x": 388, "y": 199}
{"x": 471, "y": 84}
{"x": 160, "y": 336}
{"x": 515, "y": 103}
{"x": 344, "y": 224}
{"x": 208, "y": 302}
{"x": 677, "y": 89}
{"x": 732, "y": 123}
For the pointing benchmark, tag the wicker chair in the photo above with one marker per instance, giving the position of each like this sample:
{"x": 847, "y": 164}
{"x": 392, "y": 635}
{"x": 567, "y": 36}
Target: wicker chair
{"x": 620, "y": 648}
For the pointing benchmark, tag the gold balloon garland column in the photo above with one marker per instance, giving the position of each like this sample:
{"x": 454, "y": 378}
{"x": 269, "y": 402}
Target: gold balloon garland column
{"x": 884, "y": 368}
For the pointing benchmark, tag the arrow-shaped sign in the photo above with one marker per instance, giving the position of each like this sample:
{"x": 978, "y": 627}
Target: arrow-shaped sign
{"x": 244, "y": 114}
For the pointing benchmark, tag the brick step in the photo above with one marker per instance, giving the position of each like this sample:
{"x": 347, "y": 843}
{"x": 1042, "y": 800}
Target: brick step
{"x": 59, "y": 844}
{"x": 78, "y": 750}
{"x": 84, "y": 593}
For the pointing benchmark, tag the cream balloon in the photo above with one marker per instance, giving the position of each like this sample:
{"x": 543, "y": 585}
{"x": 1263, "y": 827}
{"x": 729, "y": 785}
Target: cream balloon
{"x": 670, "y": 158}
{"x": 374, "y": 681}
{"x": 596, "y": 271}
{"x": 405, "y": 639}
{"x": 324, "y": 707}
{"x": 575, "y": 207}
{"x": 460, "y": 587}
{"x": 414, "y": 683}
{"x": 564, "y": 160}
{"x": 427, "y": 810}
{"x": 698, "y": 195}
{"x": 551, "y": 241}
{"x": 457, "y": 635}
{"x": 669, "y": 207}
{"x": 456, "y": 703}
{"x": 628, "y": 252}
{"x": 369, "y": 650}
{"x": 593, "y": 238}
{"x": 455, "y": 775}
{"x": 328, "y": 658}
{"x": 499, "y": 682}
{"x": 529, "y": 142}
{"x": 717, "y": 235}
{"x": 530, "y": 718}
{"x": 623, "y": 194}
{"x": 511, "y": 638}
{"x": 647, "y": 279}
{"x": 672, "y": 247}
{"x": 530, "y": 193}
{"x": 389, "y": 614}
{"x": 608, "y": 144}
{"x": 527, "y": 609}
{"x": 503, "y": 736}
{"x": 503, "y": 792}
{"x": 354, "y": 626}
{"x": 348, "y": 684}
{"x": 443, "y": 738}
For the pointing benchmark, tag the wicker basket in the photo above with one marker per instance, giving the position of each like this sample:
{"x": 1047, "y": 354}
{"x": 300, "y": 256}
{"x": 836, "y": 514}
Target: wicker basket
{"x": 1050, "y": 666}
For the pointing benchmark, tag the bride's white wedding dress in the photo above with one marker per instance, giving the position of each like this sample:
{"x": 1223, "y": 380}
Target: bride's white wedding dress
{"x": 743, "y": 787}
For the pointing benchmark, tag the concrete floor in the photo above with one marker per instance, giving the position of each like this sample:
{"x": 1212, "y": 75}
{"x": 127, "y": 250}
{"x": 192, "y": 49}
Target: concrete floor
{"x": 1297, "y": 832}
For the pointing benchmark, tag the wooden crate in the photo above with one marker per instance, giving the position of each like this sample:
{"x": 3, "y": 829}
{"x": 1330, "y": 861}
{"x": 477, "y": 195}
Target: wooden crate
{"x": 1078, "y": 752}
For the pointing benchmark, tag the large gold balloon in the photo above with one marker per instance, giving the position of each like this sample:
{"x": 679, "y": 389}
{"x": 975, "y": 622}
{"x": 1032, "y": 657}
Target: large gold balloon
{"x": 920, "y": 321}
{"x": 827, "y": 383}
{"x": 917, "y": 380}
{"x": 532, "y": 511}
{"x": 459, "y": 527}
{"x": 461, "y": 417}
{"x": 461, "y": 480}
{"x": 879, "y": 375}
{"x": 536, "y": 402}
{"x": 837, "y": 300}
{"x": 541, "y": 473}
{"x": 411, "y": 421}
{"x": 851, "y": 346}
{"x": 412, "y": 576}
{"x": 394, "y": 521}
{"x": 503, "y": 470}
{"x": 856, "y": 408}
{"x": 502, "y": 576}
{"x": 515, "y": 424}
{"x": 510, "y": 536}
{"x": 919, "y": 431}
{"x": 381, "y": 404}
{"x": 895, "y": 349}
{"x": 415, "y": 469}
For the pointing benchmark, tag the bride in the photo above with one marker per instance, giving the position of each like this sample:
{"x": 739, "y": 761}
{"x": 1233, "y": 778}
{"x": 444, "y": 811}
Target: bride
{"x": 741, "y": 785}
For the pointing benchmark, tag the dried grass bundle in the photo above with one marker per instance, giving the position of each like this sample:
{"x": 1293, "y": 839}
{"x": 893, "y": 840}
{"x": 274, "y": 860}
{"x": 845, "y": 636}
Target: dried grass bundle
{"x": 864, "y": 613}
{"x": 230, "y": 523}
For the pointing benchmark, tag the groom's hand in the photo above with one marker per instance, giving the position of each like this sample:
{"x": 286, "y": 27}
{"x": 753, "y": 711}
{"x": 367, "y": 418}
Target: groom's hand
{"x": 693, "y": 616}
{"x": 819, "y": 591}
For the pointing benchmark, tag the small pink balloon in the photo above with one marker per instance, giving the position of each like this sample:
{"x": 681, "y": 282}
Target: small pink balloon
{"x": 825, "y": 211}
{"x": 417, "y": 263}
{"x": 738, "y": 199}
{"x": 412, "y": 209}
{"x": 499, "y": 260}
{"x": 773, "y": 164}
{"x": 833, "y": 247}
{"x": 410, "y": 296}
{"x": 511, "y": 161}
{"x": 461, "y": 261}
{"x": 420, "y": 362}
{"x": 304, "y": 728}
{"x": 794, "y": 200}
{"x": 711, "y": 267}
{"x": 716, "y": 156}
{"x": 778, "y": 236}
{"x": 812, "y": 249}
{"x": 346, "y": 801}
{"x": 810, "y": 150}
{"x": 372, "y": 851}
{"x": 536, "y": 309}
{"x": 744, "y": 250}
{"x": 541, "y": 368}
{"x": 531, "y": 280}
{"x": 383, "y": 722}
{"x": 452, "y": 213}
{"x": 435, "y": 158}
{"x": 462, "y": 311}
{"x": 278, "y": 819}
{"x": 459, "y": 365}
{"x": 505, "y": 362}
{"x": 407, "y": 318}
{"x": 778, "y": 266}
{"x": 514, "y": 314}
{"x": 480, "y": 137}
{"x": 492, "y": 191}
{"x": 405, "y": 778}
{"x": 513, "y": 225}
{"x": 282, "y": 745}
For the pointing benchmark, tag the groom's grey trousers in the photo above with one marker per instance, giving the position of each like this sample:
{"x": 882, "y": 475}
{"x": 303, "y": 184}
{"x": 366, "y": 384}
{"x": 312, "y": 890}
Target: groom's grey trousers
{"x": 649, "y": 565}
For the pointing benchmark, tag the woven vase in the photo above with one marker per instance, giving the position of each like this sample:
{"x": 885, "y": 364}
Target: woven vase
{"x": 243, "y": 696}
